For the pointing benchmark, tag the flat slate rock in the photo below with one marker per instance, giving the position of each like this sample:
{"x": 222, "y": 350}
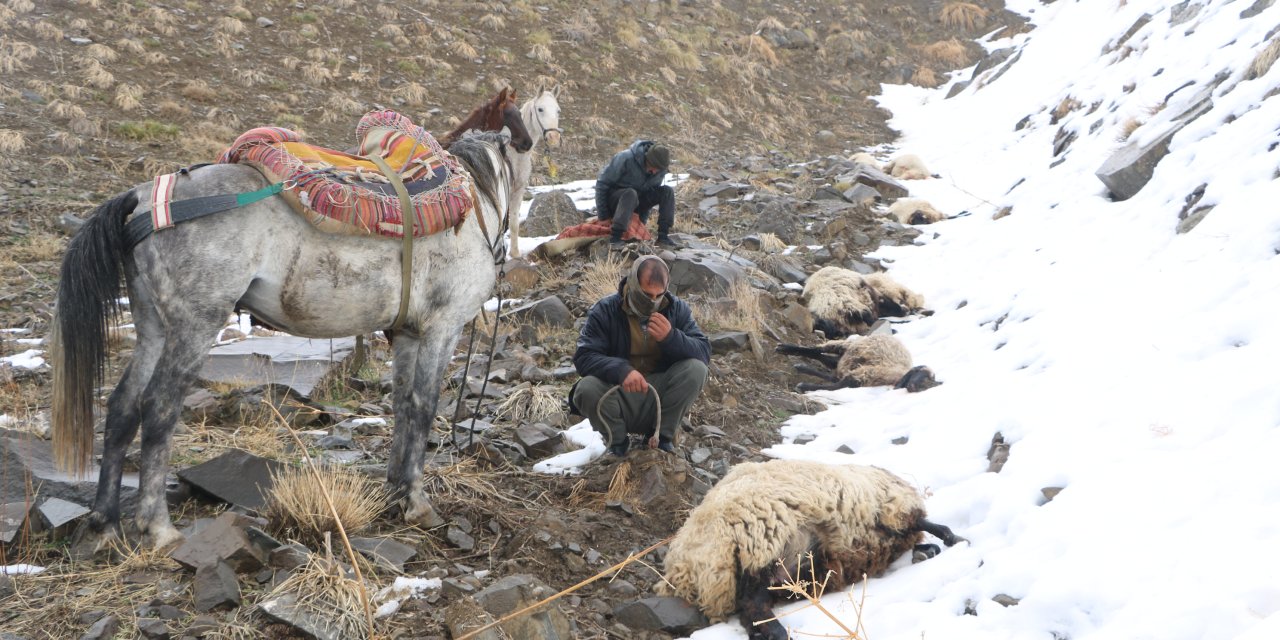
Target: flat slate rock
{"x": 298, "y": 363}
{"x": 22, "y": 454}
{"x": 237, "y": 477}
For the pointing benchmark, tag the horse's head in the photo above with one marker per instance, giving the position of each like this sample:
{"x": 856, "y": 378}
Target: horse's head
{"x": 543, "y": 114}
{"x": 505, "y": 113}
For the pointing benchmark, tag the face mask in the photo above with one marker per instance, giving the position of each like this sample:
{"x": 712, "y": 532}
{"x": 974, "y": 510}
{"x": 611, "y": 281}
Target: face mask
{"x": 636, "y": 302}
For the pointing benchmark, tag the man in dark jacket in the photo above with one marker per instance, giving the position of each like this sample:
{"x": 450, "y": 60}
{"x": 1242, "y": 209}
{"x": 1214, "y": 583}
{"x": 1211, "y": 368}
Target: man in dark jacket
{"x": 641, "y": 337}
{"x": 632, "y": 183}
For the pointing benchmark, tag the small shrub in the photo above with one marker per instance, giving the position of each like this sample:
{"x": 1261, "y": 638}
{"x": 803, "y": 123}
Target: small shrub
{"x": 145, "y": 130}
{"x": 1267, "y": 57}
{"x": 297, "y": 506}
{"x": 950, "y": 53}
{"x": 962, "y": 15}
{"x": 199, "y": 91}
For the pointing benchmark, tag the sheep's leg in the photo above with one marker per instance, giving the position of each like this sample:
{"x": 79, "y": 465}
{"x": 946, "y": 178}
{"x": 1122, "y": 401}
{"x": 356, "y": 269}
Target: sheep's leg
{"x": 941, "y": 532}
{"x": 813, "y": 386}
{"x": 755, "y": 603}
{"x": 829, "y": 359}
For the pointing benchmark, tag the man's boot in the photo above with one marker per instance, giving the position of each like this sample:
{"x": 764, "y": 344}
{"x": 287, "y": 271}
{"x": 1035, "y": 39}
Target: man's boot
{"x": 615, "y": 241}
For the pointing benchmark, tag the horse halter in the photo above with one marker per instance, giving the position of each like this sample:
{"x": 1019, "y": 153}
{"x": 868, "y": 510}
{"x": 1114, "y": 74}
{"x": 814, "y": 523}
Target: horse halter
{"x": 545, "y": 129}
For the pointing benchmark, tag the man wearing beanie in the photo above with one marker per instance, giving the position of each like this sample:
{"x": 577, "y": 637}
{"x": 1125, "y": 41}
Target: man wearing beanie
{"x": 632, "y": 183}
{"x": 636, "y": 342}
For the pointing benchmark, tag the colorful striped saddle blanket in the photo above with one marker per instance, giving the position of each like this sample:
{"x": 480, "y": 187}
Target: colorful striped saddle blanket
{"x": 344, "y": 193}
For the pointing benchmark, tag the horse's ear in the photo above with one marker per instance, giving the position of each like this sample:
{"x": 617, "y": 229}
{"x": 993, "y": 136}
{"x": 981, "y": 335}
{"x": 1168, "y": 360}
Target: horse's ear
{"x": 555, "y": 93}
{"x": 502, "y": 95}
{"x": 538, "y": 91}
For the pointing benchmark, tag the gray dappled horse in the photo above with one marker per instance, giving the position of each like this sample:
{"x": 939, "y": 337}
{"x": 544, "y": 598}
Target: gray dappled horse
{"x": 183, "y": 282}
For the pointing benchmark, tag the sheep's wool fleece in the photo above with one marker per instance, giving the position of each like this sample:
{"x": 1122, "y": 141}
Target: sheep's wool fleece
{"x": 903, "y": 208}
{"x": 762, "y": 512}
{"x": 875, "y": 360}
{"x": 836, "y": 295}
{"x": 907, "y": 166}
{"x": 889, "y": 289}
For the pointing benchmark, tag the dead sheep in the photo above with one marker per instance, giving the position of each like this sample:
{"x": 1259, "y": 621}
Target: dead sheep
{"x": 845, "y": 303}
{"x": 874, "y": 361}
{"x": 907, "y": 166}
{"x": 915, "y": 211}
{"x": 753, "y": 530}
{"x": 863, "y": 157}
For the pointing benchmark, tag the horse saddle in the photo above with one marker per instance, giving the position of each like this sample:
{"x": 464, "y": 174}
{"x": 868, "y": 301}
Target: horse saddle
{"x": 344, "y": 193}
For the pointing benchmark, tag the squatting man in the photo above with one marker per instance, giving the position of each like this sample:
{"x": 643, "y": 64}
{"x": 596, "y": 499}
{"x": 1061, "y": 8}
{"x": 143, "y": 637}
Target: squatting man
{"x": 642, "y": 340}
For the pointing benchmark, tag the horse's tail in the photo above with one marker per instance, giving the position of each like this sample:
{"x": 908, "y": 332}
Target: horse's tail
{"x": 88, "y": 300}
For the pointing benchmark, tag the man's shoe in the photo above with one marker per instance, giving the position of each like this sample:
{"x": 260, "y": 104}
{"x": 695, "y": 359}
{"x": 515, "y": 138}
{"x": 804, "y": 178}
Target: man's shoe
{"x": 665, "y": 240}
{"x": 665, "y": 445}
{"x": 617, "y": 245}
{"x": 619, "y": 450}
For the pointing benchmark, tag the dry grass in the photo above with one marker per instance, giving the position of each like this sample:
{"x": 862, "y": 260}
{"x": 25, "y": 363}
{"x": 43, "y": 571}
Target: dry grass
{"x": 46, "y": 31}
{"x": 1127, "y": 128}
{"x": 21, "y": 6}
{"x": 1065, "y": 107}
{"x": 812, "y": 588}
{"x": 628, "y": 36}
{"x": 602, "y": 278}
{"x": 199, "y": 90}
{"x": 466, "y": 483}
{"x": 297, "y": 506}
{"x": 493, "y": 22}
{"x": 321, "y": 588}
{"x": 771, "y": 243}
{"x": 541, "y": 53}
{"x": 128, "y": 97}
{"x": 743, "y": 314}
{"x": 680, "y": 57}
{"x": 950, "y": 53}
{"x": 412, "y": 93}
{"x": 11, "y": 141}
{"x": 758, "y": 48}
{"x": 131, "y": 45}
{"x": 1267, "y": 57}
{"x": 95, "y": 75}
{"x": 531, "y": 403}
{"x": 925, "y": 77}
{"x": 962, "y": 15}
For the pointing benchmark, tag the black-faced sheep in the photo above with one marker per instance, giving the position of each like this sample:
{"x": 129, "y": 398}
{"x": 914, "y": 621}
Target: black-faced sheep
{"x": 873, "y": 361}
{"x": 914, "y": 211}
{"x": 844, "y": 303}
{"x": 752, "y": 529}
{"x": 907, "y": 166}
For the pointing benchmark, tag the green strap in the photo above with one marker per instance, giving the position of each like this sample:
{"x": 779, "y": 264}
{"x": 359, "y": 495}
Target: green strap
{"x": 243, "y": 199}
{"x": 408, "y": 225}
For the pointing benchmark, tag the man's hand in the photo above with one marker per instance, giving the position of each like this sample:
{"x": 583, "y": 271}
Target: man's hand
{"x": 659, "y": 326}
{"x": 635, "y": 383}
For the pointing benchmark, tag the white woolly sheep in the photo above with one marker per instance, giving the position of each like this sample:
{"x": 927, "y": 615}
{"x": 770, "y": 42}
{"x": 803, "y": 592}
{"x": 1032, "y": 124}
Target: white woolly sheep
{"x": 893, "y": 299}
{"x": 915, "y": 211}
{"x": 752, "y": 529}
{"x": 863, "y": 157}
{"x": 841, "y": 303}
{"x": 907, "y": 166}
{"x": 873, "y": 361}
{"x": 844, "y": 303}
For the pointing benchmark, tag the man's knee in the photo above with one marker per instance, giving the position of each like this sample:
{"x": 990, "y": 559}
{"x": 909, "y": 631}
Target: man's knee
{"x": 690, "y": 372}
{"x": 627, "y": 199}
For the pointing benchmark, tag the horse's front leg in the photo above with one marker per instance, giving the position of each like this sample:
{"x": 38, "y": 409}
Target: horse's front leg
{"x": 419, "y": 366}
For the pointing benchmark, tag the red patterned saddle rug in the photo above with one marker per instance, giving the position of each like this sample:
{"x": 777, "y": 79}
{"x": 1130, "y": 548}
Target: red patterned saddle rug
{"x": 344, "y": 193}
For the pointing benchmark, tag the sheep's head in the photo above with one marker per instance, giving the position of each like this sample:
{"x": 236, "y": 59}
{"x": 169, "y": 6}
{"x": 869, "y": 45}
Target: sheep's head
{"x": 917, "y": 379}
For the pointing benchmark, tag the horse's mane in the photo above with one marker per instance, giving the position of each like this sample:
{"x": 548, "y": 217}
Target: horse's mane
{"x": 472, "y": 150}
{"x": 475, "y": 119}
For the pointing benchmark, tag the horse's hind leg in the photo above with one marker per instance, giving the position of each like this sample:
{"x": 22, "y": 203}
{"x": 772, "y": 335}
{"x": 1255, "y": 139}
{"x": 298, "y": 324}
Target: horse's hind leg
{"x": 181, "y": 357}
{"x": 419, "y": 366}
{"x": 123, "y": 417}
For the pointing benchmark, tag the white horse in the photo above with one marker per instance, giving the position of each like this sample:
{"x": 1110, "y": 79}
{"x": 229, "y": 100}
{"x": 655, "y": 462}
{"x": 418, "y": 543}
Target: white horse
{"x": 184, "y": 281}
{"x": 541, "y": 115}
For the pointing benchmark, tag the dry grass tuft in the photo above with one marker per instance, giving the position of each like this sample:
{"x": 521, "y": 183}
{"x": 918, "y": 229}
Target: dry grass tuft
{"x": 128, "y": 97}
{"x": 11, "y": 141}
{"x": 316, "y": 73}
{"x": 771, "y": 243}
{"x": 323, "y": 590}
{"x": 581, "y": 27}
{"x": 1065, "y": 107}
{"x": 602, "y": 278}
{"x": 950, "y": 53}
{"x": 1267, "y": 57}
{"x": 541, "y": 53}
{"x": 14, "y": 54}
{"x": 466, "y": 483}
{"x": 744, "y": 313}
{"x": 131, "y": 45}
{"x": 1127, "y": 128}
{"x": 757, "y": 47}
{"x": 21, "y": 6}
{"x": 531, "y": 403}
{"x": 680, "y": 57}
{"x": 199, "y": 90}
{"x": 925, "y": 77}
{"x": 463, "y": 49}
{"x": 229, "y": 25}
{"x": 962, "y": 15}
{"x": 412, "y": 93}
{"x": 493, "y": 22}
{"x": 47, "y": 31}
{"x": 297, "y": 506}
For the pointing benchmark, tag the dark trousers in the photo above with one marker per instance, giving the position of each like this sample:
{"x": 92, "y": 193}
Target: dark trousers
{"x": 624, "y": 412}
{"x": 624, "y": 202}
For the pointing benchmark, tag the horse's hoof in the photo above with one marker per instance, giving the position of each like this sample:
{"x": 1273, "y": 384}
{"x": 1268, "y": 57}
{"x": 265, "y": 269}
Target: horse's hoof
{"x": 166, "y": 538}
{"x": 90, "y": 540}
{"x": 421, "y": 513}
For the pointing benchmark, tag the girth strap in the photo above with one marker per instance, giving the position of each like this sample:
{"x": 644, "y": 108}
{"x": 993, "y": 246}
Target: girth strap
{"x": 408, "y": 224}
{"x": 140, "y": 226}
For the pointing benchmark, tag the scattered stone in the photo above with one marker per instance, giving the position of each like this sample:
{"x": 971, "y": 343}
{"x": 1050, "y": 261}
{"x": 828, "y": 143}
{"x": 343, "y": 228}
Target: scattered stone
{"x": 104, "y": 629}
{"x": 237, "y": 477}
{"x": 1128, "y": 170}
{"x": 1005, "y": 600}
{"x": 291, "y": 361}
{"x": 706, "y": 271}
{"x": 672, "y": 615}
{"x": 622, "y": 588}
{"x": 265, "y": 23}
{"x": 466, "y": 616}
{"x": 520, "y": 275}
{"x": 883, "y": 183}
{"x": 455, "y": 587}
{"x": 215, "y": 586}
{"x": 22, "y": 454}
{"x": 153, "y": 629}
{"x": 727, "y": 341}
{"x": 385, "y": 552}
{"x": 12, "y": 517}
{"x": 513, "y": 593}
{"x": 285, "y": 609}
{"x": 223, "y": 540}
{"x": 550, "y": 310}
{"x": 539, "y": 440}
{"x": 998, "y": 453}
{"x": 549, "y": 213}
{"x": 1050, "y": 493}
{"x": 459, "y": 538}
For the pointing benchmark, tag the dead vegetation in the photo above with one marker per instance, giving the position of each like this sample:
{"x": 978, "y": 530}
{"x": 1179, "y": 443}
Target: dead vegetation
{"x": 298, "y": 508}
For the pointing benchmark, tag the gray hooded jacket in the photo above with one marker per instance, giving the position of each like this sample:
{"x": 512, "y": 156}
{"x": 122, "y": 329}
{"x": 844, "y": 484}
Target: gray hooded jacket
{"x": 626, "y": 171}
